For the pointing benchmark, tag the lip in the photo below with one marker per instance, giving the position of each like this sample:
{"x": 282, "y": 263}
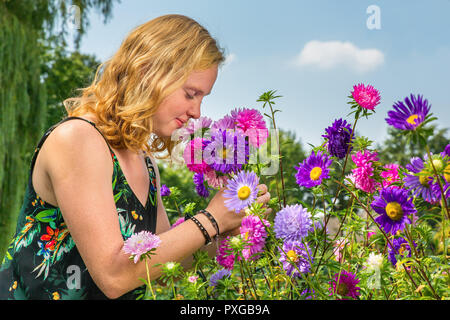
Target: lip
{"x": 179, "y": 122}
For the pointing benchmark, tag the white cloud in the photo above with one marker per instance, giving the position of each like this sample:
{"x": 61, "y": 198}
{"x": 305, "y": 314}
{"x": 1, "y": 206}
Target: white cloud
{"x": 330, "y": 54}
{"x": 230, "y": 58}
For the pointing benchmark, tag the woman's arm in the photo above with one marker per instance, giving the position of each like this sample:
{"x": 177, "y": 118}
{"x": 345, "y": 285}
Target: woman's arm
{"x": 80, "y": 171}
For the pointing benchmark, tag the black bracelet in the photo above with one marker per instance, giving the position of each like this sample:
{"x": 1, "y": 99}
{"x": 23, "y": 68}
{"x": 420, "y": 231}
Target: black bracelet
{"x": 213, "y": 221}
{"x": 202, "y": 229}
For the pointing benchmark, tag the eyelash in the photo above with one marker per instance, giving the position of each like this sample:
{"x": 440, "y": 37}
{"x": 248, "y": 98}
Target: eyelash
{"x": 189, "y": 96}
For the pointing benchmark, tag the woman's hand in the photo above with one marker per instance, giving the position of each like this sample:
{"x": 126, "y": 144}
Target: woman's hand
{"x": 229, "y": 221}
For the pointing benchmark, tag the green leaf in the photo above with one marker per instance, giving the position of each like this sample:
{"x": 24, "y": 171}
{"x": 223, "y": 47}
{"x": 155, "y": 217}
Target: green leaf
{"x": 46, "y": 215}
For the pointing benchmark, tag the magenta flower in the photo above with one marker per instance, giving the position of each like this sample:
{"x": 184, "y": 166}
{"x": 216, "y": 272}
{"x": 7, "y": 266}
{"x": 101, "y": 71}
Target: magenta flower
{"x": 179, "y": 221}
{"x": 253, "y": 231}
{"x": 224, "y": 255}
{"x": 344, "y": 284}
{"x": 366, "y": 97}
{"x": 252, "y": 123}
{"x": 362, "y": 175}
{"x": 391, "y": 175}
{"x": 193, "y": 155}
{"x": 140, "y": 244}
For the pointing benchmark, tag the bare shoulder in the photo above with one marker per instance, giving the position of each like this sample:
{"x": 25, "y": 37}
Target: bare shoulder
{"x": 77, "y": 147}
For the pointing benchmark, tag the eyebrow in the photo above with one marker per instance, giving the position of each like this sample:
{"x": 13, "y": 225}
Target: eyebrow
{"x": 199, "y": 90}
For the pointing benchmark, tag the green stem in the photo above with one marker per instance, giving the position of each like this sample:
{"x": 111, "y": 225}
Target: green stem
{"x": 148, "y": 279}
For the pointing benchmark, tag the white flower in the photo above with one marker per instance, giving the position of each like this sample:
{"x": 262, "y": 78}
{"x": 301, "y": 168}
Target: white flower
{"x": 170, "y": 265}
{"x": 374, "y": 261}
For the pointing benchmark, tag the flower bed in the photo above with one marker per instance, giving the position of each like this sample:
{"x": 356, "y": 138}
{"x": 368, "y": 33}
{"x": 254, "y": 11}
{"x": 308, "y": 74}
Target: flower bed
{"x": 393, "y": 222}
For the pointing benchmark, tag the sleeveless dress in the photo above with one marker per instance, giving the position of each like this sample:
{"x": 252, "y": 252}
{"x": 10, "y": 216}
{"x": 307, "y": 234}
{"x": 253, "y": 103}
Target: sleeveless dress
{"x": 42, "y": 261}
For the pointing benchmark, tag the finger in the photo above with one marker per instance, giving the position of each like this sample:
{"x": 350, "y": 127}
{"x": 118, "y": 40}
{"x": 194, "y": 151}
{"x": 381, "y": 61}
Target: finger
{"x": 262, "y": 189}
{"x": 264, "y": 198}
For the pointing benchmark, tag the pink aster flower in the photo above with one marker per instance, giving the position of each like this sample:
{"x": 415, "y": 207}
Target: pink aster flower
{"x": 193, "y": 155}
{"x": 193, "y": 279}
{"x": 391, "y": 175}
{"x": 252, "y": 123}
{"x": 366, "y": 97}
{"x": 224, "y": 255}
{"x": 214, "y": 180}
{"x": 179, "y": 221}
{"x": 139, "y": 244}
{"x": 361, "y": 176}
{"x": 253, "y": 231}
{"x": 198, "y": 124}
{"x": 339, "y": 245}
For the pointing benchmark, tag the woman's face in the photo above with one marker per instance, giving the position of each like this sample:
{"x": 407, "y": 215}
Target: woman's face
{"x": 184, "y": 103}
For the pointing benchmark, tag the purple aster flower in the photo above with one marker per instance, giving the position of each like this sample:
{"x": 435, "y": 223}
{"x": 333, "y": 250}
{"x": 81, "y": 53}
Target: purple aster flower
{"x": 227, "y": 122}
{"x": 296, "y": 258}
{"x": 165, "y": 191}
{"x": 253, "y": 231}
{"x": 408, "y": 115}
{"x": 219, "y": 275}
{"x": 200, "y": 187}
{"x": 344, "y": 284}
{"x": 420, "y": 184}
{"x": 394, "y": 207}
{"x": 313, "y": 170}
{"x": 241, "y": 191}
{"x": 293, "y": 223}
{"x": 401, "y": 247}
{"x": 446, "y": 152}
{"x": 227, "y": 152}
{"x": 338, "y": 136}
{"x": 139, "y": 244}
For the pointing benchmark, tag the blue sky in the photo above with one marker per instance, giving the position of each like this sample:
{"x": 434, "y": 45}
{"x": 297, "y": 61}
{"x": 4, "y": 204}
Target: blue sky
{"x": 409, "y": 53}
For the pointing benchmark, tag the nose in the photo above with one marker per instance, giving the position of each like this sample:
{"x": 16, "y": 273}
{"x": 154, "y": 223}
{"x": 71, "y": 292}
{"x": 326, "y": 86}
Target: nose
{"x": 194, "y": 110}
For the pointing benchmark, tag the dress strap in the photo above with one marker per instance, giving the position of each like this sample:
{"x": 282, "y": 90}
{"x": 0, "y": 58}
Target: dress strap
{"x": 47, "y": 133}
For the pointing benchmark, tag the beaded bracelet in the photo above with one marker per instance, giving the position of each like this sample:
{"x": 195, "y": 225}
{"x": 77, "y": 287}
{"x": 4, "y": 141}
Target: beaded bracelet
{"x": 202, "y": 229}
{"x": 213, "y": 221}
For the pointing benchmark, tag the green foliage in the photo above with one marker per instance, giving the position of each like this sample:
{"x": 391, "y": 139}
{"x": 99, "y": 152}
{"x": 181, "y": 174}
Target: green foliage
{"x": 36, "y": 75}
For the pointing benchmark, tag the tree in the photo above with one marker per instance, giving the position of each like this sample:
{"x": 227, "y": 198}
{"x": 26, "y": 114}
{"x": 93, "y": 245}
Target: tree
{"x": 24, "y": 26}
{"x": 396, "y": 148}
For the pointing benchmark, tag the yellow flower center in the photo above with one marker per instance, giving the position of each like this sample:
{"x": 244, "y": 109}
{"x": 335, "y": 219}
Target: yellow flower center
{"x": 447, "y": 173}
{"x": 394, "y": 211}
{"x": 224, "y": 153}
{"x": 424, "y": 180}
{"x": 342, "y": 289}
{"x": 402, "y": 249}
{"x": 244, "y": 192}
{"x": 412, "y": 119}
{"x": 315, "y": 173}
{"x": 292, "y": 255}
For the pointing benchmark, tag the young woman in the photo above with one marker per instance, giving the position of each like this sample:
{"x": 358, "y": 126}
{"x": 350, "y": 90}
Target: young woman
{"x": 94, "y": 182}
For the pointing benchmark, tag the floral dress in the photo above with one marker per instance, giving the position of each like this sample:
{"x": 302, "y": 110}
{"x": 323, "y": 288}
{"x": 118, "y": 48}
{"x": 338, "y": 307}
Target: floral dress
{"x": 42, "y": 261}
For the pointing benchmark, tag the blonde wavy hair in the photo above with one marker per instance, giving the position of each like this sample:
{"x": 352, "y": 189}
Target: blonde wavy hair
{"x": 154, "y": 60}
